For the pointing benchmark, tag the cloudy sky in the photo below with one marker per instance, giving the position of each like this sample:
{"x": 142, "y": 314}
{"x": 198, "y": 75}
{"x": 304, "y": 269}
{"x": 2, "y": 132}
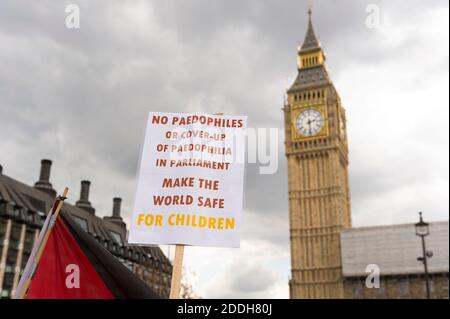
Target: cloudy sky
{"x": 80, "y": 97}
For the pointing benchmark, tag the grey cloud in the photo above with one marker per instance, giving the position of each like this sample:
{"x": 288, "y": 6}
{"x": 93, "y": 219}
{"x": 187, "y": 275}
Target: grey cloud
{"x": 251, "y": 278}
{"x": 81, "y": 97}
{"x": 101, "y": 80}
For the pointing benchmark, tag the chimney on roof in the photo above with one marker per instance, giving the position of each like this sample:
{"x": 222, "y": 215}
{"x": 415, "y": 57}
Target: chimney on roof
{"x": 117, "y": 201}
{"x": 83, "y": 202}
{"x": 43, "y": 183}
{"x": 115, "y": 218}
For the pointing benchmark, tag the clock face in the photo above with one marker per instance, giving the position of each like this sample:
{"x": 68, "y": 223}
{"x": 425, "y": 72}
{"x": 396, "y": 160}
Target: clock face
{"x": 309, "y": 122}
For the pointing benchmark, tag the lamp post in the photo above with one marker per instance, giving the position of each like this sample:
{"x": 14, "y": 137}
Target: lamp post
{"x": 423, "y": 230}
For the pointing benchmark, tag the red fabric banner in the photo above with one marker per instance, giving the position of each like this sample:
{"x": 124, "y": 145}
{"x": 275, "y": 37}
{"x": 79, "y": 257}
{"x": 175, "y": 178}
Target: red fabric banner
{"x": 64, "y": 271}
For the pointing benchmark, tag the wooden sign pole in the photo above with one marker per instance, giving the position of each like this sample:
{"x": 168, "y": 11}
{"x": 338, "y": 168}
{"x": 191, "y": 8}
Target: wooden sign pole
{"x": 177, "y": 272}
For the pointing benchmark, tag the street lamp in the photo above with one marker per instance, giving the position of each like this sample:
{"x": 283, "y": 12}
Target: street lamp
{"x": 422, "y": 230}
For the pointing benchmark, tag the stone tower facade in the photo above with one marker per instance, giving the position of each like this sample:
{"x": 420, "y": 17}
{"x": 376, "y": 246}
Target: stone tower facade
{"x": 317, "y": 156}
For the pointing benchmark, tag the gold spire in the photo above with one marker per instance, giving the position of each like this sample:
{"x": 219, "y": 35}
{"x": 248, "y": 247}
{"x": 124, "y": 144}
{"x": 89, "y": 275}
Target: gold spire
{"x": 310, "y": 41}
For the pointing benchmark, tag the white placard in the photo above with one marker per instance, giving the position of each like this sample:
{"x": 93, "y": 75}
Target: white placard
{"x": 191, "y": 180}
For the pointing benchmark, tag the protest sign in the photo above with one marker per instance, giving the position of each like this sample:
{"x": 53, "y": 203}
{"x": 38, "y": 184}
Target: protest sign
{"x": 190, "y": 183}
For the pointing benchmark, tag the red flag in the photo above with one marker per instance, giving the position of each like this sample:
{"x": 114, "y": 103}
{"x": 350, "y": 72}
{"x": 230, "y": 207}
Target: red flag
{"x": 74, "y": 265}
{"x": 64, "y": 271}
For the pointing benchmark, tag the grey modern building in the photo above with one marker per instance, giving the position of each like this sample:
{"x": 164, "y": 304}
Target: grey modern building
{"x": 393, "y": 251}
{"x": 23, "y": 209}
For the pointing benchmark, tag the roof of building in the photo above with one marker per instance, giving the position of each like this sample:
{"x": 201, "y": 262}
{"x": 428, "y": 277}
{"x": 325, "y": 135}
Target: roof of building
{"x": 310, "y": 42}
{"x": 394, "y": 249}
{"x": 30, "y": 205}
{"x": 311, "y": 77}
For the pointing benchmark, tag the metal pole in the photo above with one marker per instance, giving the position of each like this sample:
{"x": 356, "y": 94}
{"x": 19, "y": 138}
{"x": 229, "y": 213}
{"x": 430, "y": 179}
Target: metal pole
{"x": 425, "y": 265}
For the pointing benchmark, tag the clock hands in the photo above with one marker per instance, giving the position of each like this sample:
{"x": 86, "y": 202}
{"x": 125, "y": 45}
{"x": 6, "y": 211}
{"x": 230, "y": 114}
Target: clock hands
{"x": 309, "y": 124}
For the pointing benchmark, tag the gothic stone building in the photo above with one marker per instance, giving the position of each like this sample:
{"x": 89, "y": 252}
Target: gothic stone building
{"x": 328, "y": 258}
{"x": 23, "y": 210}
{"x": 391, "y": 252}
{"x": 317, "y": 157}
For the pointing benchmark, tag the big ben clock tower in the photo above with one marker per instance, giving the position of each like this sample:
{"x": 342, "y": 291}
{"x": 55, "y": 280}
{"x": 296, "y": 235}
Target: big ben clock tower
{"x": 317, "y": 156}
